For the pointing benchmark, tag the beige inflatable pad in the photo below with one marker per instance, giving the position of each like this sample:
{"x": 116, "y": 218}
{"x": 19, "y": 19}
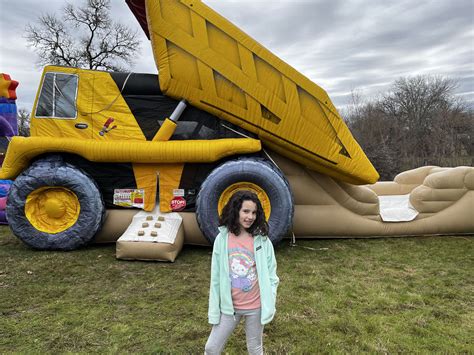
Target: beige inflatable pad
{"x": 152, "y": 236}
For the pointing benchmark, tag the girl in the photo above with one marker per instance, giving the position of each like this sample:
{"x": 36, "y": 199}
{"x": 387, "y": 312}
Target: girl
{"x": 243, "y": 274}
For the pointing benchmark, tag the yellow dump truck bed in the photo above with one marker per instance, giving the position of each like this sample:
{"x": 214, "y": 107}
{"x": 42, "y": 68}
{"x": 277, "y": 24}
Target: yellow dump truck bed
{"x": 211, "y": 63}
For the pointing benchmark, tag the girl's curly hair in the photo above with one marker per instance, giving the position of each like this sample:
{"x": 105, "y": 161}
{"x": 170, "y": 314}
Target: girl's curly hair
{"x": 230, "y": 214}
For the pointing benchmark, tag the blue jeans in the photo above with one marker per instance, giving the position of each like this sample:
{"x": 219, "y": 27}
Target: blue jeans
{"x": 221, "y": 332}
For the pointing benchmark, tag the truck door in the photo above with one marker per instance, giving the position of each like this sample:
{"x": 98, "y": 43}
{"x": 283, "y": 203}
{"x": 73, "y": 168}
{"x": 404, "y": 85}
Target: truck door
{"x": 63, "y": 105}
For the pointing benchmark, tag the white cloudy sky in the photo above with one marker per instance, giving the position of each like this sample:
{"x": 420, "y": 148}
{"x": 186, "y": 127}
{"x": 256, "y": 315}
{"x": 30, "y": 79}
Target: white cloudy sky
{"x": 342, "y": 45}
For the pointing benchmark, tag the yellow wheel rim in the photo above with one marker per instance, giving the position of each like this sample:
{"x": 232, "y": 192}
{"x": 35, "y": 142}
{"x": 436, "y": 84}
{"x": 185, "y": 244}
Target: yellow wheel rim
{"x": 232, "y": 189}
{"x": 52, "y": 209}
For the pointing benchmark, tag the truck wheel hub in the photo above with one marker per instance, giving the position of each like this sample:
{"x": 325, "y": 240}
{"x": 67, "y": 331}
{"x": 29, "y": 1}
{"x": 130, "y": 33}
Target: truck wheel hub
{"x": 52, "y": 209}
{"x": 249, "y": 186}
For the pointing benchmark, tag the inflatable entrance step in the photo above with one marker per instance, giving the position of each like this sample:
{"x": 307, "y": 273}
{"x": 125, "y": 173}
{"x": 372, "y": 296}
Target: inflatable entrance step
{"x": 152, "y": 236}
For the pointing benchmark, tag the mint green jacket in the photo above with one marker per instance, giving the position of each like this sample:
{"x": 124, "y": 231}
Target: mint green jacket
{"x": 220, "y": 297}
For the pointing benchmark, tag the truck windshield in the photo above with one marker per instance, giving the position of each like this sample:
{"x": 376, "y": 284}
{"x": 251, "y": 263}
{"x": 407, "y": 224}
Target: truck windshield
{"x": 58, "y": 96}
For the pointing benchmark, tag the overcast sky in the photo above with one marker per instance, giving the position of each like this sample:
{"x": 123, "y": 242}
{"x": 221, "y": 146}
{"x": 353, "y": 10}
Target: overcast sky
{"x": 341, "y": 45}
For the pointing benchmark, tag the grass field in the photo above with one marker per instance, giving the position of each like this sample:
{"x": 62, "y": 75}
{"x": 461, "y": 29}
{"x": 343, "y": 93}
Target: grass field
{"x": 412, "y": 295}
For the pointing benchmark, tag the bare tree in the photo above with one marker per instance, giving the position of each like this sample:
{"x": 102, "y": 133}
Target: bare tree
{"x": 85, "y": 36}
{"x": 418, "y": 122}
{"x": 425, "y": 107}
{"x": 23, "y": 120}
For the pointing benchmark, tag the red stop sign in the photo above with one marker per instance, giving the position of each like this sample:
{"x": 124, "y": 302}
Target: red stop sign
{"x": 178, "y": 203}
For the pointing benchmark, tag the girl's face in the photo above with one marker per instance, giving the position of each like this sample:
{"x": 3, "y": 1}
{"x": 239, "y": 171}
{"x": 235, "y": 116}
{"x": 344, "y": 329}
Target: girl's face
{"x": 247, "y": 214}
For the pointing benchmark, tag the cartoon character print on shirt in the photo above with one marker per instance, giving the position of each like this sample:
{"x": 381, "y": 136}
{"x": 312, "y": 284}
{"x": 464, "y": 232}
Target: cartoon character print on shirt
{"x": 241, "y": 270}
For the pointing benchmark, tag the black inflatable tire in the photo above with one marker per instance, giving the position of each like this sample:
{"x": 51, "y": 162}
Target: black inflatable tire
{"x": 52, "y": 171}
{"x": 256, "y": 171}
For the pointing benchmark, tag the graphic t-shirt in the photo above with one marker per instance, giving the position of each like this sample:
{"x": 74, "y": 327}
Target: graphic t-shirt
{"x": 243, "y": 272}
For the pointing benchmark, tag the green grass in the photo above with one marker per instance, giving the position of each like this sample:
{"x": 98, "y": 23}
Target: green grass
{"x": 336, "y": 296}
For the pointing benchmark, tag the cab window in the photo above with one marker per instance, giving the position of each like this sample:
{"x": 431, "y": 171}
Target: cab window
{"x": 57, "y": 98}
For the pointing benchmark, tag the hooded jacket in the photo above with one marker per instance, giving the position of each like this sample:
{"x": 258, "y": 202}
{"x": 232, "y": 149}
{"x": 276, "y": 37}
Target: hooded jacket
{"x": 220, "y": 297}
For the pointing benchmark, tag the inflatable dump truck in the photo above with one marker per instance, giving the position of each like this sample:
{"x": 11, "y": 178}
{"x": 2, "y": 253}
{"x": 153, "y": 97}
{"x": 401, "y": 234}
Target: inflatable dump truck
{"x": 185, "y": 140}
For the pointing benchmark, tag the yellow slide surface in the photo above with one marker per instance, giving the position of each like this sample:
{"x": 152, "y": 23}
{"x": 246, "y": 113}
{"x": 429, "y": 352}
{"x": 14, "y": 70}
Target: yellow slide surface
{"x": 205, "y": 59}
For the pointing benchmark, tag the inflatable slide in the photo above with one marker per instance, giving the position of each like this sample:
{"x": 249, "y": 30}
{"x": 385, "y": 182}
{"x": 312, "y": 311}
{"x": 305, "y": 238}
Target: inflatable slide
{"x": 438, "y": 201}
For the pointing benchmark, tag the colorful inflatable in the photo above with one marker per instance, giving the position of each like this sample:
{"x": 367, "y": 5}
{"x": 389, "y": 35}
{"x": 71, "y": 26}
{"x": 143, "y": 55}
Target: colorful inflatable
{"x": 8, "y": 129}
{"x": 4, "y": 188}
{"x": 8, "y": 110}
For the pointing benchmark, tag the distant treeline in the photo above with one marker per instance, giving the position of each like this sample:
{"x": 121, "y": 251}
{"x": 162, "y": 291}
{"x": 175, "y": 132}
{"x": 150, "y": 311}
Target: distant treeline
{"x": 418, "y": 122}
